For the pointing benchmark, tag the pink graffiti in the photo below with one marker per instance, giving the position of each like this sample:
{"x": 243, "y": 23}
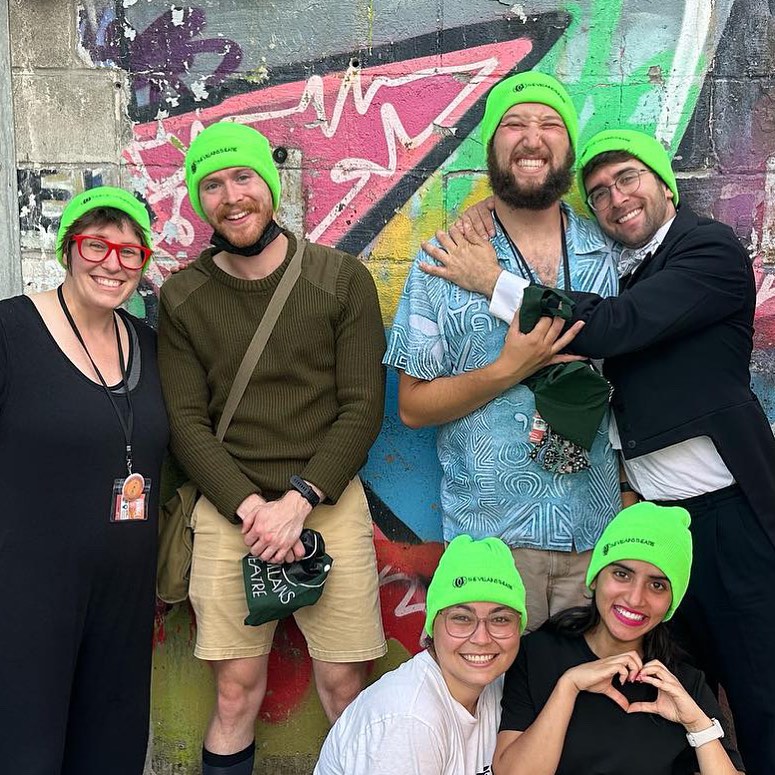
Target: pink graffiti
{"x": 358, "y": 133}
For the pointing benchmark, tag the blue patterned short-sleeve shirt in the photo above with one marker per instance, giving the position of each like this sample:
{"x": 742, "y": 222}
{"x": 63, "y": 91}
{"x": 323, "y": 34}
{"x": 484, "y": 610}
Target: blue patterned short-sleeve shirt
{"x": 490, "y": 486}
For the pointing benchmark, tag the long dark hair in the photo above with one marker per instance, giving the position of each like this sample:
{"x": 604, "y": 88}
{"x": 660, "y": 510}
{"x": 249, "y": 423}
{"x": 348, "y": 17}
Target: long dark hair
{"x": 657, "y": 643}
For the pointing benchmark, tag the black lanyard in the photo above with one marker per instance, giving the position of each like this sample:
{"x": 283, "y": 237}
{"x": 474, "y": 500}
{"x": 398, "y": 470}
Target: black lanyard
{"x": 525, "y": 267}
{"x": 128, "y": 425}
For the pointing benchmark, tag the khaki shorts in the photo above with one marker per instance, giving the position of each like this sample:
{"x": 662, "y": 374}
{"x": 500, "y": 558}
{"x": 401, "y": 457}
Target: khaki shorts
{"x": 345, "y": 625}
{"x": 553, "y": 581}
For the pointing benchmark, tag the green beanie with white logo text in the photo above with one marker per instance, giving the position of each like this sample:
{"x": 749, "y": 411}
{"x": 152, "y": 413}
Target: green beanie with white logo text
{"x": 472, "y": 571}
{"x": 530, "y": 86}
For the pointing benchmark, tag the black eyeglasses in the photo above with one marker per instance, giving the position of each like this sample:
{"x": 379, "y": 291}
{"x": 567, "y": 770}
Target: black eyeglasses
{"x": 628, "y": 182}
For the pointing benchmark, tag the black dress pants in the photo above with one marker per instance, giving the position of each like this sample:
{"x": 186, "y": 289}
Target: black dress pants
{"x": 727, "y": 619}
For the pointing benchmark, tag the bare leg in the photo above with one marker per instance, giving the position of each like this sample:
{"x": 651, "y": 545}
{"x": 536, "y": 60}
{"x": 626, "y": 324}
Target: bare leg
{"x": 240, "y": 688}
{"x": 338, "y": 684}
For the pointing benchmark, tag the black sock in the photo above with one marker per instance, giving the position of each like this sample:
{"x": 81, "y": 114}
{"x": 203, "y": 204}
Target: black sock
{"x": 240, "y": 763}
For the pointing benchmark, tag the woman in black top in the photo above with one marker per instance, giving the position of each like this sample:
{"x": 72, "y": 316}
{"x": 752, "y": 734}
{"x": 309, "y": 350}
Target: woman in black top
{"x": 82, "y": 435}
{"x": 598, "y": 690}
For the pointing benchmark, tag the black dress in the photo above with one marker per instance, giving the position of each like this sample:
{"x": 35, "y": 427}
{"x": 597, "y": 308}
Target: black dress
{"x": 602, "y": 739}
{"x": 76, "y": 590}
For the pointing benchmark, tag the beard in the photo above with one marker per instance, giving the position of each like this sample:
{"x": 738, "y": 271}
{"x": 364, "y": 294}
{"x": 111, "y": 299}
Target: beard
{"x": 505, "y": 187}
{"x": 242, "y": 237}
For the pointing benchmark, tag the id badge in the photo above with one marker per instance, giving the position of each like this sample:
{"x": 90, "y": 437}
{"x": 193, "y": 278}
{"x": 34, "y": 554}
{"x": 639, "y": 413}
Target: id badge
{"x": 537, "y": 429}
{"x": 130, "y": 499}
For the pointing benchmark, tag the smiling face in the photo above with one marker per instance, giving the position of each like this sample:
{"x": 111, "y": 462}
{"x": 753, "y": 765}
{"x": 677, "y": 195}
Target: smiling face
{"x": 632, "y": 597}
{"x": 470, "y": 663}
{"x": 105, "y": 285}
{"x": 634, "y": 218}
{"x": 530, "y": 158}
{"x": 237, "y": 204}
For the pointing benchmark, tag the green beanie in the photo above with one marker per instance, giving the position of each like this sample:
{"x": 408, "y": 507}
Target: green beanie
{"x": 226, "y": 144}
{"x": 642, "y": 146}
{"x": 102, "y": 196}
{"x": 530, "y": 86}
{"x": 475, "y": 572}
{"x": 655, "y": 534}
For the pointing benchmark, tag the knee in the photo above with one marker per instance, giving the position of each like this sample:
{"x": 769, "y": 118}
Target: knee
{"x": 237, "y": 700}
{"x": 336, "y": 695}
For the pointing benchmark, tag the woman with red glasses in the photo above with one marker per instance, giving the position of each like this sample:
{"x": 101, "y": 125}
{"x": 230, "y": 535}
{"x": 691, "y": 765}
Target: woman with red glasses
{"x": 82, "y": 435}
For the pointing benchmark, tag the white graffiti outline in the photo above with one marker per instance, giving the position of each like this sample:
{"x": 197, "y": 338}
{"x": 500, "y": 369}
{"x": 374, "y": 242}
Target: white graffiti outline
{"x": 404, "y": 607}
{"x": 357, "y": 169}
{"x": 353, "y": 169}
{"x": 699, "y": 19}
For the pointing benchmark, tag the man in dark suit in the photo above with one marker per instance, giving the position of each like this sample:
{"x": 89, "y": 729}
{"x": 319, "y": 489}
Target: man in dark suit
{"x": 677, "y": 343}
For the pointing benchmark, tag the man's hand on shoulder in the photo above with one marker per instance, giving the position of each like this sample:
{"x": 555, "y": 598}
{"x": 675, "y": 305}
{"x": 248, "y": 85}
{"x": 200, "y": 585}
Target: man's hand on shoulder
{"x": 465, "y": 258}
{"x": 479, "y": 218}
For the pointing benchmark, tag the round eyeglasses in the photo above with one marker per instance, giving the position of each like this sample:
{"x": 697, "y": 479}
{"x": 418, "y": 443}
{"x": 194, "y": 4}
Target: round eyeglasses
{"x": 462, "y": 623}
{"x": 97, "y": 249}
{"x": 628, "y": 182}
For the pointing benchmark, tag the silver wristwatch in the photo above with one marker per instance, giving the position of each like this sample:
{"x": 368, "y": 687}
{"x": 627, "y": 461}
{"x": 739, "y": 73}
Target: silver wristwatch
{"x": 713, "y": 732}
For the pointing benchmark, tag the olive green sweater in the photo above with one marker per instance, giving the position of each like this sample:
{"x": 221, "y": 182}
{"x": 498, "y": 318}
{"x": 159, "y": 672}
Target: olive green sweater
{"x": 315, "y": 402}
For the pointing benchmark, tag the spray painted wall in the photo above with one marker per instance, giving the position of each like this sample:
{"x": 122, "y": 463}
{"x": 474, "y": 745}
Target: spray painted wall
{"x": 373, "y": 108}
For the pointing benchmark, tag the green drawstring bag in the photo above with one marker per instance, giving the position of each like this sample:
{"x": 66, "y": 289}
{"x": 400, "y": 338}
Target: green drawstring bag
{"x": 275, "y": 590}
{"x": 570, "y": 397}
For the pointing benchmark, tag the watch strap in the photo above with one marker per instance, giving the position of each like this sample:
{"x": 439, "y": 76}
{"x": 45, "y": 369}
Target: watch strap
{"x": 713, "y": 732}
{"x": 306, "y": 492}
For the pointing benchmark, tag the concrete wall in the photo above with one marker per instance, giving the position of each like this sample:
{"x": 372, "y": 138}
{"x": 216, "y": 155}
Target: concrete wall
{"x": 377, "y": 105}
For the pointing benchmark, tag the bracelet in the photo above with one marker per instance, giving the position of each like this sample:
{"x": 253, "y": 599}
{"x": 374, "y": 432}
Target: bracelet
{"x": 625, "y": 487}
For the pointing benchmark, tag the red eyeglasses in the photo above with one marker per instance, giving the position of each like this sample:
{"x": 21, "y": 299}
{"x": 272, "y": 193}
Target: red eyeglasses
{"x": 97, "y": 249}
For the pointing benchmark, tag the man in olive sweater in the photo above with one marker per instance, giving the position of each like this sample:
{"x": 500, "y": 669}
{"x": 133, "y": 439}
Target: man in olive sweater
{"x": 301, "y": 432}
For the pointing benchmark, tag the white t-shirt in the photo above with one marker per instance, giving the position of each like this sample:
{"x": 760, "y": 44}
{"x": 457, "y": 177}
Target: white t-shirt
{"x": 409, "y": 723}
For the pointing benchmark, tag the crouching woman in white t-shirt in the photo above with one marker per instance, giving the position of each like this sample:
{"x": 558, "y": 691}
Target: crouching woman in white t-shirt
{"x": 438, "y": 713}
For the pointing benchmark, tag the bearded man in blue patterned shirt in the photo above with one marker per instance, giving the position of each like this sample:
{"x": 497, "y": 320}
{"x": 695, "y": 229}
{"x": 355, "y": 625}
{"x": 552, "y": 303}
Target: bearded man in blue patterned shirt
{"x": 461, "y": 368}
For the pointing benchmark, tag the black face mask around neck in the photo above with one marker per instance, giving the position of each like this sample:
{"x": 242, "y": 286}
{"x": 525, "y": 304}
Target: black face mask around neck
{"x": 270, "y": 233}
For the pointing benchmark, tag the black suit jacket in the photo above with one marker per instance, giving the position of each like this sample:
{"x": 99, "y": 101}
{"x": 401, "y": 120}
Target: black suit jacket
{"x": 677, "y": 345}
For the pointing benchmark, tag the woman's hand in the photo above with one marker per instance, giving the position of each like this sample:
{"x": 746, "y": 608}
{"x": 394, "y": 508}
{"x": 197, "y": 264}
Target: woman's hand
{"x": 465, "y": 259}
{"x": 673, "y": 701}
{"x": 596, "y": 676}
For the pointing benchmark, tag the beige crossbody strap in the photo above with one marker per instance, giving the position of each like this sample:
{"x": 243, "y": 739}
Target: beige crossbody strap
{"x": 260, "y": 338}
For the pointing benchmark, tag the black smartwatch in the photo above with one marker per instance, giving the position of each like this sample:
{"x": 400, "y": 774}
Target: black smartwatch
{"x": 625, "y": 487}
{"x": 306, "y": 492}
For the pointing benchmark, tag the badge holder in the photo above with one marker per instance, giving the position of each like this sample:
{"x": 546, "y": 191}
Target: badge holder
{"x": 130, "y": 499}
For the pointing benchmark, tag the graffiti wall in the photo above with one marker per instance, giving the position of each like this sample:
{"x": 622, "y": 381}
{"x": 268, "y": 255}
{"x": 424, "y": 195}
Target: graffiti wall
{"x": 373, "y": 110}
